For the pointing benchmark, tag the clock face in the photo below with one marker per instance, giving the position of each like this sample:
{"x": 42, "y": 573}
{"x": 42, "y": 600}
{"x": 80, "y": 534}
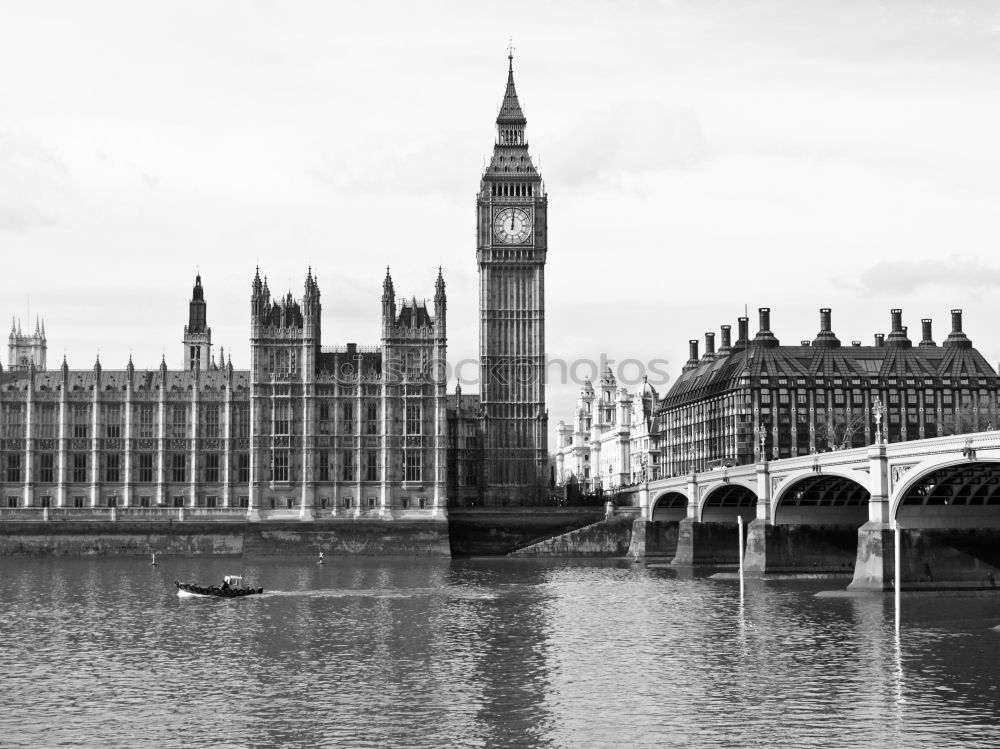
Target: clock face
{"x": 512, "y": 225}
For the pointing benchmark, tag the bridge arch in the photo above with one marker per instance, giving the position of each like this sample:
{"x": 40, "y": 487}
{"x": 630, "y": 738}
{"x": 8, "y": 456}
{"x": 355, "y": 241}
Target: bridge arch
{"x": 950, "y": 493}
{"x": 724, "y": 502}
{"x": 669, "y": 505}
{"x": 833, "y": 496}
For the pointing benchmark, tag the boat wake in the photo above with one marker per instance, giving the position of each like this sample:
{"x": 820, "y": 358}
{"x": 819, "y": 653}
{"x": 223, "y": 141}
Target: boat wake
{"x": 385, "y": 593}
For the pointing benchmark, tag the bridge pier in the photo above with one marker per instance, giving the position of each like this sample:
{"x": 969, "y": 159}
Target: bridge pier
{"x": 653, "y": 538}
{"x": 706, "y": 544}
{"x": 873, "y": 567}
{"x": 799, "y": 548}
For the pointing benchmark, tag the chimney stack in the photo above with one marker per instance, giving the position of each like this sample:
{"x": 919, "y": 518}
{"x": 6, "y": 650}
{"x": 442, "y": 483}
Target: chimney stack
{"x": 879, "y": 340}
{"x": 709, "y": 346}
{"x": 692, "y": 361}
{"x": 957, "y": 336}
{"x": 726, "y": 343}
{"x": 764, "y": 336}
{"x": 826, "y": 337}
{"x": 743, "y": 325}
{"x": 926, "y": 337}
{"x": 897, "y": 336}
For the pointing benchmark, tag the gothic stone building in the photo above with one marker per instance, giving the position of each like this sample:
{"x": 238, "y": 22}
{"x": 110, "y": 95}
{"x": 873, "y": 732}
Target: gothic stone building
{"x": 306, "y": 432}
{"x": 756, "y": 399}
{"x": 347, "y": 430}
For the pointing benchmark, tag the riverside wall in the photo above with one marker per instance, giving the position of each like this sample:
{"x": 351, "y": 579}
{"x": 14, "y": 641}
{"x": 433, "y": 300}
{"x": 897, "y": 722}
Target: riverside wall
{"x": 496, "y": 531}
{"x": 224, "y": 538}
{"x": 466, "y": 532}
{"x": 609, "y": 537}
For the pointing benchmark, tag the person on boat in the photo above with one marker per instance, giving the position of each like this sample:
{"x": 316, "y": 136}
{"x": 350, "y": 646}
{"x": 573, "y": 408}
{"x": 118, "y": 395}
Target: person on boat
{"x": 225, "y": 584}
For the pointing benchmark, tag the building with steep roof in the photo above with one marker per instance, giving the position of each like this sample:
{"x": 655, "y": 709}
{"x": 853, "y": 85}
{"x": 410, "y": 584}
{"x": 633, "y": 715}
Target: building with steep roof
{"x": 757, "y": 399}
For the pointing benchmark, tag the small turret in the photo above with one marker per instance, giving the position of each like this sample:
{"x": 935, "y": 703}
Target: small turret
{"x": 440, "y": 305}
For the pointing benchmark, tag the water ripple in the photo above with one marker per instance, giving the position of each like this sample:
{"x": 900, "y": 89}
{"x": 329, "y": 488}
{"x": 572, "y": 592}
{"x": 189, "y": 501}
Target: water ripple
{"x": 480, "y": 653}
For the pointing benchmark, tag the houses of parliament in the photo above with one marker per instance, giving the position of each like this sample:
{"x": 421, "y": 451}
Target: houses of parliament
{"x": 309, "y": 431}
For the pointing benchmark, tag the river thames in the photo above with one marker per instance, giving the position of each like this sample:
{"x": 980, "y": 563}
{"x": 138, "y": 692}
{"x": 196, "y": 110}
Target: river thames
{"x": 482, "y": 653}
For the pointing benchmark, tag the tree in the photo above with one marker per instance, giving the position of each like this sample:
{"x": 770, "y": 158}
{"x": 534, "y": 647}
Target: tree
{"x": 967, "y": 418}
{"x": 838, "y": 433}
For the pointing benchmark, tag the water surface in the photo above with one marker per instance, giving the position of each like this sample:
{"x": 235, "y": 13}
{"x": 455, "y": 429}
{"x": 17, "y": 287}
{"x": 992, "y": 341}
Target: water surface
{"x": 481, "y": 653}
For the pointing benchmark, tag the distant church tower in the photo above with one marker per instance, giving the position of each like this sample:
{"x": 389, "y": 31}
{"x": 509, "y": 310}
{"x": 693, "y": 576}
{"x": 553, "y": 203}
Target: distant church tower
{"x": 25, "y": 350}
{"x": 197, "y": 334}
{"x": 511, "y": 213}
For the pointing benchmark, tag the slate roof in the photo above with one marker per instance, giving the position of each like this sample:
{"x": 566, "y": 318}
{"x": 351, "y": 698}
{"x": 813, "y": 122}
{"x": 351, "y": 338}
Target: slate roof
{"x": 869, "y": 363}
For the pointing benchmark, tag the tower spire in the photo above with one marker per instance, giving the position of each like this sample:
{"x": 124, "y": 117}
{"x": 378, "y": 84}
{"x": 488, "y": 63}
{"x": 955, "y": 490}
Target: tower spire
{"x": 510, "y": 109}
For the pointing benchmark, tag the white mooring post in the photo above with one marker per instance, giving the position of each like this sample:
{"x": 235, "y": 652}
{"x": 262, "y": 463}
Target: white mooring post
{"x": 739, "y": 549}
{"x": 897, "y": 571}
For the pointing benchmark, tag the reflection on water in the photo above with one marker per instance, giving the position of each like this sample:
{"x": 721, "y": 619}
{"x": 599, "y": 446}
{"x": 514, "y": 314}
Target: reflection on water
{"x": 485, "y": 653}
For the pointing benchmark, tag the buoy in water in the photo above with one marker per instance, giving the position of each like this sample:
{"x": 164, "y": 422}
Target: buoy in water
{"x": 153, "y": 563}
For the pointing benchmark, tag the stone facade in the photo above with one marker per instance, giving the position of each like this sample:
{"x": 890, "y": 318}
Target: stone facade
{"x": 348, "y": 430}
{"x": 613, "y": 440}
{"x": 306, "y": 432}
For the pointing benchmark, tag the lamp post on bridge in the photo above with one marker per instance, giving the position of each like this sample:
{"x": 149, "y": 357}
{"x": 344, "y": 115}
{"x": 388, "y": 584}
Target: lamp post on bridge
{"x": 878, "y": 411}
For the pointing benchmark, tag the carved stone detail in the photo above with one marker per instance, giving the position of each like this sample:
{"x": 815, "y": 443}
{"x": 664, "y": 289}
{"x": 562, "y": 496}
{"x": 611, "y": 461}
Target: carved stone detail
{"x": 899, "y": 471}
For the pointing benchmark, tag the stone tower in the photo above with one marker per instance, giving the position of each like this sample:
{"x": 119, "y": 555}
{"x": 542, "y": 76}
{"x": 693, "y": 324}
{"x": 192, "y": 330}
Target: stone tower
{"x": 284, "y": 344}
{"x": 26, "y": 349}
{"x": 197, "y": 334}
{"x": 511, "y": 213}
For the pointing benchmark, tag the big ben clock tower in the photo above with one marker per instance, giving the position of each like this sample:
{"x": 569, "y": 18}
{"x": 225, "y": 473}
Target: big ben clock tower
{"x": 511, "y": 213}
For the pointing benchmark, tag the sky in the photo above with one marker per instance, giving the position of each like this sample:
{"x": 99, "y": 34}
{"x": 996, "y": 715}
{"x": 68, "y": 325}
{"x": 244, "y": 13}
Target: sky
{"x": 701, "y": 158}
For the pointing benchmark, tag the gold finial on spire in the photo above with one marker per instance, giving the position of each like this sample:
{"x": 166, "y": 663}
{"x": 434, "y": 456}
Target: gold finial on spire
{"x": 510, "y": 51}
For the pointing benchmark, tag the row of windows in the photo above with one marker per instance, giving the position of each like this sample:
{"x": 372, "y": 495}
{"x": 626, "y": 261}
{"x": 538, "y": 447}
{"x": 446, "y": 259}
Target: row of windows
{"x": 327, "y": 471}
{"x": 111, "y": 425}
{"x": 78, "y": 468}
{"x": 178, "y": 465}
{"x": 512, "y": 190}
{"x": 211, "y": 501}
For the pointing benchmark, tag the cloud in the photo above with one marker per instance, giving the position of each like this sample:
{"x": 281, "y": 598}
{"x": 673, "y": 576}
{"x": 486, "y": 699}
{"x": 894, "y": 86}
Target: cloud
{"x": 633, "y": 137}
{"x": 33, "y": 181}
{"x": 910, "y": 275}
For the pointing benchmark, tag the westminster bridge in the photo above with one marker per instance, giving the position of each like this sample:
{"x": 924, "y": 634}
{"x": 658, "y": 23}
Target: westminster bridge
{"x": 836, "y": 512}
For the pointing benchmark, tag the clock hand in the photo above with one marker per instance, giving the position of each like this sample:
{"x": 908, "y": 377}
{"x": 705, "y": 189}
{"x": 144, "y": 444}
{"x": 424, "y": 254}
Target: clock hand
{"x": 512, "y": 220}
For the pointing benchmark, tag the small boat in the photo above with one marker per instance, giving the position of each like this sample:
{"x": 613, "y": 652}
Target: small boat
{"x": 232, "y": 587}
